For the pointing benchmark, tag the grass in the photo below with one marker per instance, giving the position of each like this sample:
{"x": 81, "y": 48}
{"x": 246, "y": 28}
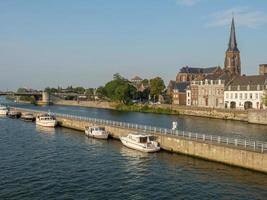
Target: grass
{"x": 145, "y": 109}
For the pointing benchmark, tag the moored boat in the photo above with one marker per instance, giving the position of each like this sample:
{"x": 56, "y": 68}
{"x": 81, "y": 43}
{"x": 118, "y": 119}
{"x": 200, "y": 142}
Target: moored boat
{"x": 46, "y": 120}
{"x": 14, "y": 114}
{"x": 96, "y": 132}
{"x": 141, "y": 142}
{"x": 3, "y": 110}
{"x": 27, "y": 117}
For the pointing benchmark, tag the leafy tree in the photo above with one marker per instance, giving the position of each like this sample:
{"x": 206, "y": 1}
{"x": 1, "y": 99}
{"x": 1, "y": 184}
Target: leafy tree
{"x": 22, "y": 90}
{"x": 265, "y": 98}
{"x": 157, "y": 86}
{"x": 78, "y": 90}
{"x": 100, "y": 92}
{"x": 51, "y": 90}
{"x": 145, "y": 81}
{"x": 120, "y": 89}
{"x": 90, "y": 93}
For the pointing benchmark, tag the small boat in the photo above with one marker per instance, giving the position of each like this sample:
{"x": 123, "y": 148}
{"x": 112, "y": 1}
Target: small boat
{"x": 46, "y": 120}
{"x": 142, "y": 142}
{"x": 14, "y": 114}
{"x": 3, "y": 110}
{"x": 28, "y": 117}
{"x": 96, "y": 132}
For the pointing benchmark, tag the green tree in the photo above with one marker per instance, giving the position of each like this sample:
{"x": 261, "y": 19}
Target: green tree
{"x": 51, "y": 90}
{"x": 22, "y": 90}
{"x": 265, "y": 98}
{"x": 79, "y": 90}
{"x": 100, "y": 92}
{"x": 120, "y": 89}
{"x": 157, "y": 86}
{"x": 90, "y": 93}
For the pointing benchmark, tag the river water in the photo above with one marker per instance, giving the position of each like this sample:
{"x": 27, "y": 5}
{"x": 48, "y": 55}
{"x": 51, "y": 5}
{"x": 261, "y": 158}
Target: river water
{"x": 38, "y": 163}
{"x": 188, "y": 123}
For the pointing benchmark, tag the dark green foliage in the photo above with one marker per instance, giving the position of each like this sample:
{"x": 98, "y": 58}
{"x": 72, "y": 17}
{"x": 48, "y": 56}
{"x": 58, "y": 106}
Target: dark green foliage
{"x": 157, "y": 86}
{"x": 119, "y": 89}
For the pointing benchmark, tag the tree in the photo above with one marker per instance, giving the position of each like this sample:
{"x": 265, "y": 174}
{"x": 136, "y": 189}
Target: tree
{"x": 120, "y": 89}
{"x": 265, "y": 98}
{"x": 79, "y": 90}
{"x": 90, "y": 93}
{"x": 157, "y": 86}
{"x": 22, "y": 90}
{"x": 51, "y": 90}
{"x": 100, "y": 92}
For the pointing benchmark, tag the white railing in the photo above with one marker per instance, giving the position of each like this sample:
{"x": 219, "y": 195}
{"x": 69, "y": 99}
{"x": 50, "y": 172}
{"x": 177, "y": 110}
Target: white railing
{"x": 236, "y": 142}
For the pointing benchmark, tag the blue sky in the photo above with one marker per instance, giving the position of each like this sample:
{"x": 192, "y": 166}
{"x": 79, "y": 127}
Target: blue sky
{"x": 83, "y": 42}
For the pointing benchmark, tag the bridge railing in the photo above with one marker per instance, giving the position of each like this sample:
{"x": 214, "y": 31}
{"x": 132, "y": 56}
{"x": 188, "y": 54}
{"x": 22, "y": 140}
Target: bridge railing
{"x": 235, "y": 142}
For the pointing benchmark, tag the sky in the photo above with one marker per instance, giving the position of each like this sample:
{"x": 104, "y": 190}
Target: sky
{"x": 84, "y": 42}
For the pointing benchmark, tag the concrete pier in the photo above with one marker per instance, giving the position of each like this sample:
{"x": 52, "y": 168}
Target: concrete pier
{"x": 237, "y": 152}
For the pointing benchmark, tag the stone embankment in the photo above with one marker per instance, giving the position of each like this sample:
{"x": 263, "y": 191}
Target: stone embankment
{"x": 89, "y": 104}
{"x": 237, "y": 152}
{"x": 251, "y": 116}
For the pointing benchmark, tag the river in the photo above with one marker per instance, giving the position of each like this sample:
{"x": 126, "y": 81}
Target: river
{"x": 209, "y": 126}
{"x": 64, "y": 164}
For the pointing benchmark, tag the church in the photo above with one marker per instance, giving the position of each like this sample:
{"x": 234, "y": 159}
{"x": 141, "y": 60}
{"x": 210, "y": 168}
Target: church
{"x": 205, "y": 87}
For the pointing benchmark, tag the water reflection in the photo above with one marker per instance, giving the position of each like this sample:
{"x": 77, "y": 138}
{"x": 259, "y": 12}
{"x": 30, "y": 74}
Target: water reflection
{"x": 42, "y": 129}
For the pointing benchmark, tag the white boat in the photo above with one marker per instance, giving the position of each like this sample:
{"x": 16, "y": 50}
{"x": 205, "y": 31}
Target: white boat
{"x": 141, "y": 142}
{"x": 28, "y": 117}
{"x": 3, "y": 110}
{"x": 46, "y": 120}
{"x": 96, "y": 132}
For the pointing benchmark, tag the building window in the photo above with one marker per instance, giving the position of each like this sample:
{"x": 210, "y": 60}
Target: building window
{"x": 235, "y": 95}
{"x": 240, "y": 96}
{"x": 227, "y": 95}
{"x": 231, "y": 95}
{"x": 257, "y": 96}
{"x": 250, "y": 95}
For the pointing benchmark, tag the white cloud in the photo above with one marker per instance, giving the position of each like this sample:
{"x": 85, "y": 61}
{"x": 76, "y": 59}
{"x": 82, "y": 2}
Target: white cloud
{"x": 244, "y": 16}
{"x": 187, "y": 2}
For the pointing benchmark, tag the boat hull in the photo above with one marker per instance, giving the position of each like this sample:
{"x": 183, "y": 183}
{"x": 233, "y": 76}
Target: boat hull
{"x": 51, "y": 123}
{"x": 97, "y": 136}
{"x": 135, "y": 146}
{"x": 3, "y": 112}
{"x": 28, "y": 119}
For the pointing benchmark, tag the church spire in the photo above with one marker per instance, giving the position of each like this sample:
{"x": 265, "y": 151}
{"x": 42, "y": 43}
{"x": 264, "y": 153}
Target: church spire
{"x": 232, "y": 46}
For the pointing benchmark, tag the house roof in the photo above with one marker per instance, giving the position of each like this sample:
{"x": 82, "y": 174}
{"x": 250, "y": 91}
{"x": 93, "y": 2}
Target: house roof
{"x": 249, "y": 80}
{"x": 198, "y": 70}
{"x": 136, "y": 78}
{"x": 181, "y": 86}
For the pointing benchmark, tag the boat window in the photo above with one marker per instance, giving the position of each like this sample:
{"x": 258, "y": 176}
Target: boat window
{"x": 143, "y": 139}
{"x": 101, "y": 128}
{"x": 152, "y": 138}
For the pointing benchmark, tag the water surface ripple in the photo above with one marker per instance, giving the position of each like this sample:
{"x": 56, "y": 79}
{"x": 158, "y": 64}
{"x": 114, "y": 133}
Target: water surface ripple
{"x": 39, "y": 163}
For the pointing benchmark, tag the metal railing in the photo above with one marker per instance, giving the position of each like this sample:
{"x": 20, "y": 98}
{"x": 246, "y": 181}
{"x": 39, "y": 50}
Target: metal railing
{"x": 259, "y": 146}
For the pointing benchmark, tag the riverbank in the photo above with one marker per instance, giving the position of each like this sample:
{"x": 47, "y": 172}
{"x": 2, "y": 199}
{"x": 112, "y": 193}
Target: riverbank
{"x": 232, "y": 151}
{"x": 251, "y": 116}
{"x": 163, "y": 109}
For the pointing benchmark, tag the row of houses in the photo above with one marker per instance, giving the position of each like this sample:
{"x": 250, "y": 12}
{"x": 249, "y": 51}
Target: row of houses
{"x": 217, "y": 87}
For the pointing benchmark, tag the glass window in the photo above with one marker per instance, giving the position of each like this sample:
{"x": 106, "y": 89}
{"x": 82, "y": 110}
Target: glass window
{"x": 231, "y": 95}
{"x": 235, "y": 95}
{"x": 250, "y": 95}
{"x": 246, "y": 95}
{"x": 240, "y": 96}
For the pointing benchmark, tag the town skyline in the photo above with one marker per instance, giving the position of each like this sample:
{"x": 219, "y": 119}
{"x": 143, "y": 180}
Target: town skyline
{"x": 72, "y": 63}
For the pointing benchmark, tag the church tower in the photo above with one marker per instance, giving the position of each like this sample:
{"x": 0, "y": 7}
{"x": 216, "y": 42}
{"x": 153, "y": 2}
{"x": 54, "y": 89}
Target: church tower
{"x": 232, "y": 64}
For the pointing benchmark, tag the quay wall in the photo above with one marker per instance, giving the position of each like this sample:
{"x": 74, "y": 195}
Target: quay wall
{"x": 239, "y": 115}
{"x": 214, "y": 152}
{"x": 257, "y": 117}
{"x": 230, "y": 155}
{"x": 89, "y": 104}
